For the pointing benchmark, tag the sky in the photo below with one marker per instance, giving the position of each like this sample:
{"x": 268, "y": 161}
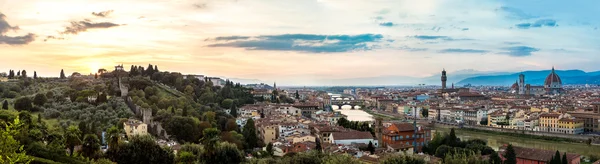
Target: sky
{"x": 299, "y": 42}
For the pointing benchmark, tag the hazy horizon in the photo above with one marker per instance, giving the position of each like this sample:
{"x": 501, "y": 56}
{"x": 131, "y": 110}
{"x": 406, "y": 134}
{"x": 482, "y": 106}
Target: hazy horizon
{"x": 313, "y": 41}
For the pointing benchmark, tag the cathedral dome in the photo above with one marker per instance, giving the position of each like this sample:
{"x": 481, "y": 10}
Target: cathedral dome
{"x": 553, "y": 80}
{"x": 515, "y": 86}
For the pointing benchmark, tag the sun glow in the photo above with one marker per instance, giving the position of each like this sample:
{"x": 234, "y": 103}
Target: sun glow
{"x": 94, "y": 66}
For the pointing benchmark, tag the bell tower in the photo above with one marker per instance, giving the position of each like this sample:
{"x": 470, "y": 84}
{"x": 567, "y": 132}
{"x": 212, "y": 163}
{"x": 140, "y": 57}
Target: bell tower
{"x": 444, "y": 79}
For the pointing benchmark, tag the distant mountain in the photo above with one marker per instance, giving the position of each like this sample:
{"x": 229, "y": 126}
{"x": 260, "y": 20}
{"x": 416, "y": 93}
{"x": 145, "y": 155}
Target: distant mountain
{"x": 535, "y": 78}
{"x": 457, "y": 76}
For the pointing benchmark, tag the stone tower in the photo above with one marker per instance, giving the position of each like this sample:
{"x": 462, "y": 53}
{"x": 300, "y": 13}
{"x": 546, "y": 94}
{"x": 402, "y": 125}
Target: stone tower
{"x": 379, "y": 131}
{"x": 521, "y": 84}
{"x": 444, "y": 79}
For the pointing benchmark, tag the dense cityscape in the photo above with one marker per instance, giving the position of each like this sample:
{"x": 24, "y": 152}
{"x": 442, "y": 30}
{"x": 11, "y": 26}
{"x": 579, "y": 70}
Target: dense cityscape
{"x": 147, "y": 116}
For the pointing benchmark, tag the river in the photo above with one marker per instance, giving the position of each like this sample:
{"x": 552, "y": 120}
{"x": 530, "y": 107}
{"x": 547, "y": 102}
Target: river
{"x": 496, "y": 141}
{"x": 356, "y": 114}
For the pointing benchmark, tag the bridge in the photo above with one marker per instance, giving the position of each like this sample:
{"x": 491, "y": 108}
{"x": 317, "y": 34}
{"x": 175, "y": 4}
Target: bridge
{"x": 352, "y": 103}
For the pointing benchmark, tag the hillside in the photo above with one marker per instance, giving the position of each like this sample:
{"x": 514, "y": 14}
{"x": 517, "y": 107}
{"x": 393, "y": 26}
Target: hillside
{"x": 535, "y": 78}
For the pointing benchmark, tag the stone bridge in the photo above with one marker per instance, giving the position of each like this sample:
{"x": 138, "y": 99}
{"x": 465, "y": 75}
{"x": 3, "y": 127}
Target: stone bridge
{"x": 353, "y": 104}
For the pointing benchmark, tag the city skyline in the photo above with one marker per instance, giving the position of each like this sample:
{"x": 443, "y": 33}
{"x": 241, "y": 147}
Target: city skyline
{"x": 314, "y": 40}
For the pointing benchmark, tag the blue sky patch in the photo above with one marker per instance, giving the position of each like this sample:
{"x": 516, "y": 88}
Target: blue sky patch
{"x": 306, "y": 43}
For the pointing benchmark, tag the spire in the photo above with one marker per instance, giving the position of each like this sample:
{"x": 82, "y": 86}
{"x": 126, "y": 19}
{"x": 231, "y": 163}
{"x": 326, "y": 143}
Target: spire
{"x": 552, "y": 69}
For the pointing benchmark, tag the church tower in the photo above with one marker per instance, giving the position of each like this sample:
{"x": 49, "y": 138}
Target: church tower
{"x": 521, "y": 84}
{"x": 444, "y": 79}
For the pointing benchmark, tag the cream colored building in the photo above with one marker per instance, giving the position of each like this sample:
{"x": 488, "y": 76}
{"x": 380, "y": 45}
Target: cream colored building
{"x": 135, "y": 127}
{"x": 268, "y": 133}
{"x": 301, "y": 138}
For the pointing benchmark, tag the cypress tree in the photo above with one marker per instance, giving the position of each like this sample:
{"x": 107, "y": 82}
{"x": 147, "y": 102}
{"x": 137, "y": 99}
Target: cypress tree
{"x": 5, "y": 105}
{"x": 564, "y": 158}
{"x": 249, "y": 133}
{"x": 371, "y": 148}
{"x": 318, "y": 147}
{"x": 511, "y": 156}
{"x": 19, "y": 73}
{"x": 34, "y": 75}
{"x": 156, "y": 68}
{"x": 62, "y": 74}
{"x": 24, "y": 73}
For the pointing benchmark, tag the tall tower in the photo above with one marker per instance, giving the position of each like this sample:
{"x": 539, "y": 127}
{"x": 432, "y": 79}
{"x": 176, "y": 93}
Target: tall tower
{"x": 521, "y": 84}
{"x": 379, "y": 131}
{"x": 444, "y": 79}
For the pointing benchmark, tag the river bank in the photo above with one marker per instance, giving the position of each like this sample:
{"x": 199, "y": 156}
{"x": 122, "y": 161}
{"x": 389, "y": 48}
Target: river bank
{"x": 497, "y": 140}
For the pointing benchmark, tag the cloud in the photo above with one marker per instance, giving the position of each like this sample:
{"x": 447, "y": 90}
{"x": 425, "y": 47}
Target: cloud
{"x": 379, "y": 18}
{"x": 102, "y": 13}
{"x": 200, "y": 6}
{"x": 515, "y": 13}
{"x": 434, "y": 37}
{"x": 83, "y": 26}
{"x": 512, "y": 43}
{"x": 457, "y": 50}
{"x": 12, "y": 40}
{"x": 53, "y": 37}
{"x": 301, "y": 42}
{"x": 519, "y": 51}
{"x": 465, "y": 29}
{"x": 229, "y": 38}
{"x": 538, "y": 23}
{"x": 386, "y": 24}
{"x": 412, "y": 49}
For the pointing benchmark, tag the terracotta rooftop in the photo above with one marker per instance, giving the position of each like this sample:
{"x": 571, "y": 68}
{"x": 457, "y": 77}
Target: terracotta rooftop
{"x": 350, "y": 135}
{"x": 550, "y": 115}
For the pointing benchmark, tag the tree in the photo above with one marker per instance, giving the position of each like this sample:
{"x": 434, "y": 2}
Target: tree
{"x": 495, "y": 159}
{"x": 23, "y": 103}
{"x": 511, "y": 156}
{"x": 564, "y": 158}
{"x": 24, "y": 74}
{"x": 371, "y": 148}
{"x": 5, "y": 105}
{"x": 210, "y": 140}
{"x": 184, "y": 129}
{"x": 318, "y": 145}
{"x": 40, "y": 99}
{"x": 461, "y": 158}
{"x": 227, "y": 103}
{"x": 226, "y": 153}
{"x": 11, "y": 150}
{"x": 140, "y": 149}
{"x": 72, "y": 138}
{"x": 96, "y": 76}
{"x": 401, "y": 159}
{"x": 34, "y": 75}
{"x": 297, "y": 95}
{"x": 233, "y": 112}
{"x": 91, "y": 146}
{"x": 270, "y": 149}
{"x": 451, "y": 140}
{"x": 62, "y": 74}
{"x": 250, "y": 134}
{"x": 231, "y": 125}
{"x": 185, "y": 157}
{"x": 113, "y": 137}
{"x": 19, "y": 73}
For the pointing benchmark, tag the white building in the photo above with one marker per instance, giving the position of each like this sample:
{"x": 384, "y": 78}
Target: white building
{"x": 349, "y": 137}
